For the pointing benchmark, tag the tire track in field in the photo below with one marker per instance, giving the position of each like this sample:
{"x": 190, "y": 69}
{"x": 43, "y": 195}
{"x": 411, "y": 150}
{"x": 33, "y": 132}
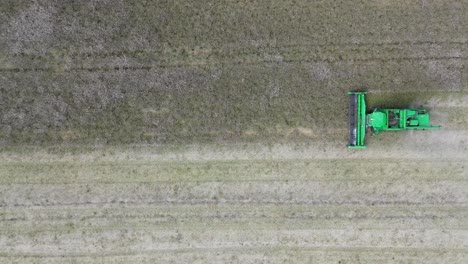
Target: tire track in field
{"x": 20, "y": 220}
{"x": 210, "y": 202}
{"x": 382, "y": 192}
{"x": 240, "y": 50}
{"x": 188, "y": 65}
{"x": 63, "y": 173}
{"x": 349, "y": 52}
{"x": 260, "y": 254}
{"x": 134, "y": 241}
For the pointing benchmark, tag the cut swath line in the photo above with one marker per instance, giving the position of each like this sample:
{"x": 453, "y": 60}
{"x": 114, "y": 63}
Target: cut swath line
{"x": 231, "y": 48}
{"x": 233, "y": 62}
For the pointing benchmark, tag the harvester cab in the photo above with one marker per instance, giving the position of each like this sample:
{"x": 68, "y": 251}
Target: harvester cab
{"x": 381, "y": 120}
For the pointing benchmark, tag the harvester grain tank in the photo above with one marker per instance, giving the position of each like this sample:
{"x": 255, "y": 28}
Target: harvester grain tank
{"x": 381, "y": 120}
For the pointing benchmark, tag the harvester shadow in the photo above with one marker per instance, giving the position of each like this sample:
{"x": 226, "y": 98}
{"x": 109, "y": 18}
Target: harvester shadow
{"x": 392, "y": 101}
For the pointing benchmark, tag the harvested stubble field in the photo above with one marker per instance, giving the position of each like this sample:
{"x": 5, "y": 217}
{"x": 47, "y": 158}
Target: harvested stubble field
{"x": 215, "y": 131}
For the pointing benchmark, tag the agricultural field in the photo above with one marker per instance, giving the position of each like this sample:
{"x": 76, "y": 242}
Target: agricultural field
{"x": 191, "y": 131}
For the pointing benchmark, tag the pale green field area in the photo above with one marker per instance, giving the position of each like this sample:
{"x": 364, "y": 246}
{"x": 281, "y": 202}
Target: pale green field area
{"x": 235, "y": 204}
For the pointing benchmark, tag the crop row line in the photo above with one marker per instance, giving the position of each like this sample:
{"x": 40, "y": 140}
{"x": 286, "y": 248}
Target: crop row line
{"x": 186, "y": 65}
{"x": 223, "y": 180}
{"x": 405, "y": 253}
{"x": 137, "y": 52}
{"x": 237, "y": 215}
{"x": 236, "y": 201}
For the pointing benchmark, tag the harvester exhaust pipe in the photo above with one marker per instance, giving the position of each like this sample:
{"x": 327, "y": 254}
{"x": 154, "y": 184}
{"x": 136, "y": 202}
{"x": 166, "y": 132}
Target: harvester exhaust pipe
{"x": 357, "y": 119}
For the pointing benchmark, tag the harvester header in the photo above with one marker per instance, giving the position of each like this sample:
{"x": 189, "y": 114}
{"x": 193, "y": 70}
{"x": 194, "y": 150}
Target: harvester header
{"x": 381, "y": 120}
{"x": 357, "y": 119}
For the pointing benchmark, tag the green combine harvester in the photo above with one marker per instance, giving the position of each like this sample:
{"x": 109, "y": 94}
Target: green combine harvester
{"x": 381, "y": 120}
